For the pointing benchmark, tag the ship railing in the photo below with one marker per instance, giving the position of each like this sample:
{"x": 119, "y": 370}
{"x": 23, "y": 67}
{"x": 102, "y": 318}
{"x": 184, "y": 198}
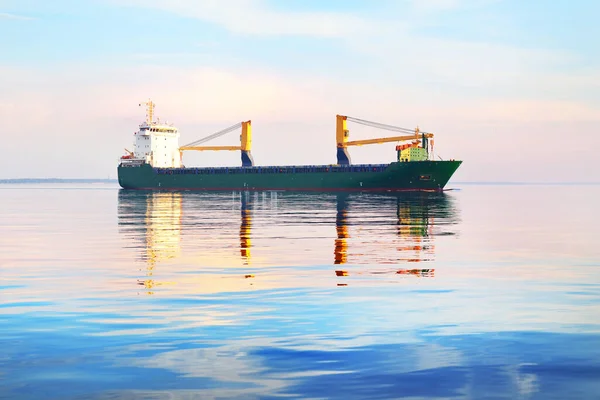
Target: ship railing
{"x": 289, "y": 169}
{"x": 131, "y": 162}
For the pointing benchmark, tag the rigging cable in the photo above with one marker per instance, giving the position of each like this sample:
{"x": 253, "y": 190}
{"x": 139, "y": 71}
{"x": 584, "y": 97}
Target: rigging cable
{"x": 379, "y": 125}
{"x": 214, "y": 135}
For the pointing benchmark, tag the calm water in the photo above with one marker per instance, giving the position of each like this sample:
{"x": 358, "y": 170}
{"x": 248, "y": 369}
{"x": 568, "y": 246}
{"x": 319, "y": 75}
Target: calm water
{"x": 488, "y": 291}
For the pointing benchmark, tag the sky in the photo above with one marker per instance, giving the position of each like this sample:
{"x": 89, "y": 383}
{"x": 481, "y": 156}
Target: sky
{"x": 512, "y": 88}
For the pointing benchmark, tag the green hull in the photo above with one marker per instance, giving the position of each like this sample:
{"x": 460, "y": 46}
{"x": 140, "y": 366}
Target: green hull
{"x": 396, "y": 176}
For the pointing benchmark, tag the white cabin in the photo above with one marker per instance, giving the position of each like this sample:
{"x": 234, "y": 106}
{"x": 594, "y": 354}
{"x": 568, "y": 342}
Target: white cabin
{"x": 155, "y": 143}
{"x": 158, "y": 145}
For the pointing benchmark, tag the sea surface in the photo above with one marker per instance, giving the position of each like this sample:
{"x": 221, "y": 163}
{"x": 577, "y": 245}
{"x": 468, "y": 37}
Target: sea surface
{"x": 483, "y": 292}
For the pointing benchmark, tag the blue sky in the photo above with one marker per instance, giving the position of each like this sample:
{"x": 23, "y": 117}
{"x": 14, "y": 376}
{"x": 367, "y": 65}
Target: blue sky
{"x": 512, "y": 88}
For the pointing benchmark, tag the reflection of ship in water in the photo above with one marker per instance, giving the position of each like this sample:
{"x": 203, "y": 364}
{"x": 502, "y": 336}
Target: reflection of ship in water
{"x": 370, "y": 229}
{"x": 341, "y": 227}
{"x": 158, "y": 215}
{"x": 152, "y": 220}
{"x": 415, "y": 213}
{"x": 245, "y": 225}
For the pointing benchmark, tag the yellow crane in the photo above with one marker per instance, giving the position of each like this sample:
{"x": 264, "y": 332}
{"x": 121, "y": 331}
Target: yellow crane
{"x": 245, "y": 142}
{"x": 343, "y": 134}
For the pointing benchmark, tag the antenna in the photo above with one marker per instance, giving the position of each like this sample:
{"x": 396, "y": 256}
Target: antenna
{"x": 149, "y": 111}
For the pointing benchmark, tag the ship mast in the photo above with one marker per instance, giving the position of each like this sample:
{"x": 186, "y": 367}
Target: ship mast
{"x": 149, "y": 111}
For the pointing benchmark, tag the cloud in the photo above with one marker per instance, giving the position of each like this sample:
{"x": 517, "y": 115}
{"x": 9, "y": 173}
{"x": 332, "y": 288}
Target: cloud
{"x": 541, "y": 111}
{"x": 446, "y": 5}
{"x": 254, "y": 17}
{"x": 435, "y": 5}
{"x": 217, "y": 96}
{"x": 386, "y": 47}
{"x": 15, "y": 16}
{"x": 383, "y": 48}
{"x": 407, "y": 57}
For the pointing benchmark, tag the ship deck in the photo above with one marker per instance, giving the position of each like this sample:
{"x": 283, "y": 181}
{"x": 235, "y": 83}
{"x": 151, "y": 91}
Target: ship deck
{"x": 273, "y": 169}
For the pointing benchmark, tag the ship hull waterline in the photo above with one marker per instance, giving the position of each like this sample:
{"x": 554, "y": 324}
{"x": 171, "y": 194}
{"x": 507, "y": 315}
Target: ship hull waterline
{"x": 393, "y": 177}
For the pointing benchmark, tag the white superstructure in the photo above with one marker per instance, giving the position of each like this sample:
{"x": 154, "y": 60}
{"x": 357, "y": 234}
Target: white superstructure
{"x": 155, "y": 143}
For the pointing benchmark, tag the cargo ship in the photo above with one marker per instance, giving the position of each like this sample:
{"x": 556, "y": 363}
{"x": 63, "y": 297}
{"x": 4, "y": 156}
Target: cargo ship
{"x": 156, "y": 162}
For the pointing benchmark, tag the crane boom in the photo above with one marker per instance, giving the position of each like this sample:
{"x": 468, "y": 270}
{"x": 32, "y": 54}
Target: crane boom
{"x": 245, "y": 142}
{"x": 342, "y": 135}
{"x": 204, "y": 148}
{"x": 388, "y": 139}
{"x": 379, "y": 125}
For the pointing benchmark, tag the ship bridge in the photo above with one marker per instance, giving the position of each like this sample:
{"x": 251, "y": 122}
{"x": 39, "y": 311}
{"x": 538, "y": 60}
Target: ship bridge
{"x": 155, "y": 143}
